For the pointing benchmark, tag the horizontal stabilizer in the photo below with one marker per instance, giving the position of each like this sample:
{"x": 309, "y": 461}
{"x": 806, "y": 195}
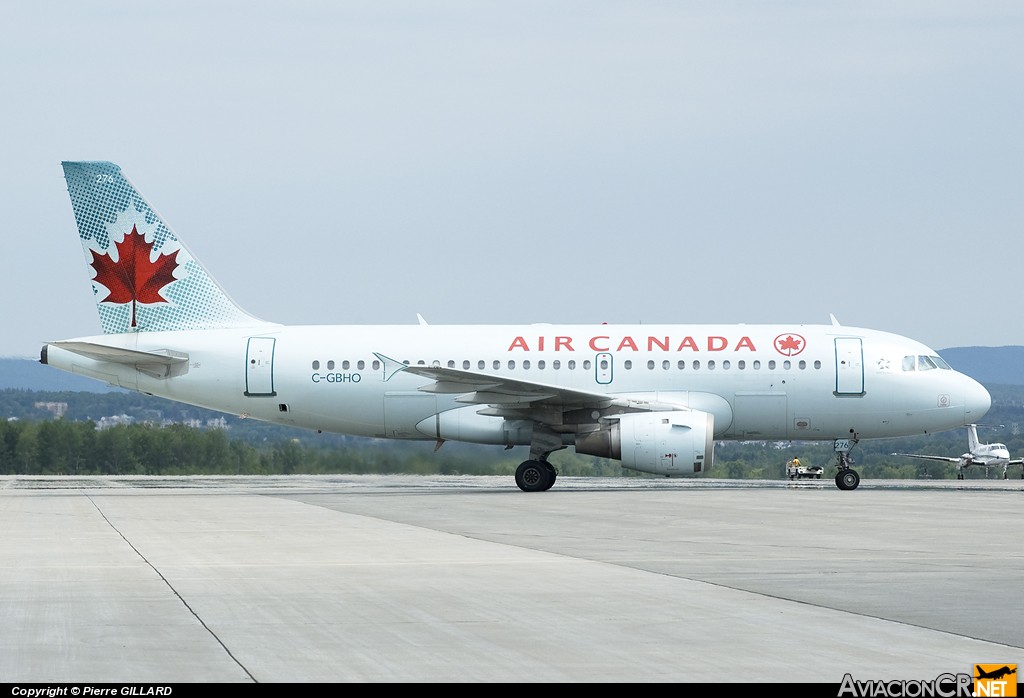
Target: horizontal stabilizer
{"x": 162, "y": 363}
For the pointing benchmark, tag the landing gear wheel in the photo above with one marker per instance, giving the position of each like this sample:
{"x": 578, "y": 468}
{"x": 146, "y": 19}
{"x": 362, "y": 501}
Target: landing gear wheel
{"x": 552, "y": 474}
{"x": 534, "y": 476}
{"x": 847, "y": 479}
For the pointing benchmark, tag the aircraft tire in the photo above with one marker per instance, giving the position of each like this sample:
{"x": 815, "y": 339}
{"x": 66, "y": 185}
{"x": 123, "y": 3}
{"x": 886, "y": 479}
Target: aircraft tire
{"x": 533, "y": 476}
{"x": 552, "y": 475}
{"x": 847, "y": 479}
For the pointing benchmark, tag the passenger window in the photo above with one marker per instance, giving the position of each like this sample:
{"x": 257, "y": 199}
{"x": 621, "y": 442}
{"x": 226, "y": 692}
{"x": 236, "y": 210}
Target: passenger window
{"x": 741, "y": 364}
{"x": 451, "y": 363}
{"x": 497, "y": 364}
{"x": 586, "y": 364}
{"x": 360, "y": 364}
{"x": 650, "y": 364}
{"x": 511, "y": 363}
{"x": 376, "y": 364}
{"x": 540, "y": 364}
{"x": 330, "y": 365}
{"x": 556, "y": 364}
{"x": 481, "y": 364}
{"x": 771, "y": 365}
{"x": 726, "y": 365}
{"x": 465, "y": 364}
{"x": 681, "y": 365}
{"x": 787, "y": 364}
{"x": 696, "y": 365}
{"x": 711, "y": 365}
{"x": 316, "y": 365}
{"x": 572, "y": 364}
{"x": 344, "y": 364}
{"x": 627, "y": 364}
{"x": 526, "y": 364}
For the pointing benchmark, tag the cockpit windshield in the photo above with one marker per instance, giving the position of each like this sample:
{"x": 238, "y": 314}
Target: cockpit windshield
{"x": 923, "y": 363}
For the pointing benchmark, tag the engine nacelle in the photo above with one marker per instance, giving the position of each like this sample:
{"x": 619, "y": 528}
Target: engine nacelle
{"x": 673, "y": 443}
{"x": 464, "y": 424}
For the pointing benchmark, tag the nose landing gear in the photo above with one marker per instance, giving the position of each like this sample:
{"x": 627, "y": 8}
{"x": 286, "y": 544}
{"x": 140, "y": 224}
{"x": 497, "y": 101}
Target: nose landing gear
{"x": 847, "y": 478}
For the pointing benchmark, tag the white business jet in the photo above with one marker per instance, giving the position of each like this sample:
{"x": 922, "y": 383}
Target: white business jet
{"x": 979, "y": 454}
{"x": 654, "y": 397}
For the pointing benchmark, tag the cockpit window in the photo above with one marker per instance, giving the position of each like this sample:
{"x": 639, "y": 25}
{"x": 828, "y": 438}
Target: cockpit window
{"x": 924, "y": 363}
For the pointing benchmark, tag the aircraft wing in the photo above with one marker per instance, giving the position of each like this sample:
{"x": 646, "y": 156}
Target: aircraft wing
{"x": 510, "y": 397}
{"x": 944, "y": 459}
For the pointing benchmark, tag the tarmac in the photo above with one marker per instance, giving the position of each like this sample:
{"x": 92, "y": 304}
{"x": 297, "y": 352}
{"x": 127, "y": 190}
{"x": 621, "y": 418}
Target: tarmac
{"x": 378, "y": 579}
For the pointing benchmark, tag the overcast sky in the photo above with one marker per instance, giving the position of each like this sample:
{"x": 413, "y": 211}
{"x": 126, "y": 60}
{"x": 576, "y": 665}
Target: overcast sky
{"x": 516, "y": 162}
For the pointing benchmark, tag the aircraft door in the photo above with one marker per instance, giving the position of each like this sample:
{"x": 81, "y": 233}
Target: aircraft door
{"x": 603, "y": 368}
{"x": 259, "y": 367}
{"x": 849, "y": 366}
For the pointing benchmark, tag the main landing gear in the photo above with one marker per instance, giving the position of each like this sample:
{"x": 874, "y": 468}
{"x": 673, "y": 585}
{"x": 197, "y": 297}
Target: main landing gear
{"x": 535, "y": 475}
{"x": 847, "y": 478}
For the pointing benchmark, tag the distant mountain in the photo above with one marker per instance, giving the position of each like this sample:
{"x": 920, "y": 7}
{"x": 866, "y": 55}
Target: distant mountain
{"x": 29, "y": 374}
{"x": 988, "y": 365}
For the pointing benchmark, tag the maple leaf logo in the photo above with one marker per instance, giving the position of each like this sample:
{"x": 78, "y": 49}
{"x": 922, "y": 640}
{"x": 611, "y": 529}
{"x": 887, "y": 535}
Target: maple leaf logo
{"x": 789, "y": 344}
{"x": 134, "y": 277}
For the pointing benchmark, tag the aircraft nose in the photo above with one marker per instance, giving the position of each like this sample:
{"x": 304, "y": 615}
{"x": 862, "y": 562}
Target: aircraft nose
{"x": 977, "y": 400}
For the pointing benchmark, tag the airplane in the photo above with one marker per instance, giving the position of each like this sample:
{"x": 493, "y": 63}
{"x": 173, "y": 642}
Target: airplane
{"x": 995, "y": 674}
{"x": 979, "y": 454}
{"x": 655, "y": 397}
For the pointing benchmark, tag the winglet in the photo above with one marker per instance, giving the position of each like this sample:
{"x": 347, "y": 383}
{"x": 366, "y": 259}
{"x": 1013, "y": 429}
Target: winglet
{"x": 391, "y": 366}
{"x": 835, "y": 323}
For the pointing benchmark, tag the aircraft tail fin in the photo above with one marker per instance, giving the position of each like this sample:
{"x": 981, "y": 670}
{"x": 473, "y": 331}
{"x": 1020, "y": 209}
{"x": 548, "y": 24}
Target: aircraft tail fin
{"x": 972, "y": 438}
{"x": 144, "y": 279}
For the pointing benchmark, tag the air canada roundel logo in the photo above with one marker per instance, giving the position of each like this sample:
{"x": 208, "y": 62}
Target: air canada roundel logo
{"x": 789, "y": 344}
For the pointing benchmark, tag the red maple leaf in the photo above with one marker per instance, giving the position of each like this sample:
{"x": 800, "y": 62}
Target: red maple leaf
{"x": 790, "y": 344}
{"x": 134, "y": 277}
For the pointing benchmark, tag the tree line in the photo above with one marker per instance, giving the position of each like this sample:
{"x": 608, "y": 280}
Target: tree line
{"x": 34, "y": 442}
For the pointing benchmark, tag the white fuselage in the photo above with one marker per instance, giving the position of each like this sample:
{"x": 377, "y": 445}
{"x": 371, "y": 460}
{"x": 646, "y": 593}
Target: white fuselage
{"x": 805, "y": 382}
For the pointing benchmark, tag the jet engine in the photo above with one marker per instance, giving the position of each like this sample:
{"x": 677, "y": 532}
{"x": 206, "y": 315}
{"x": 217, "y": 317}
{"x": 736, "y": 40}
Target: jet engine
{"x": 672, "y": 443}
